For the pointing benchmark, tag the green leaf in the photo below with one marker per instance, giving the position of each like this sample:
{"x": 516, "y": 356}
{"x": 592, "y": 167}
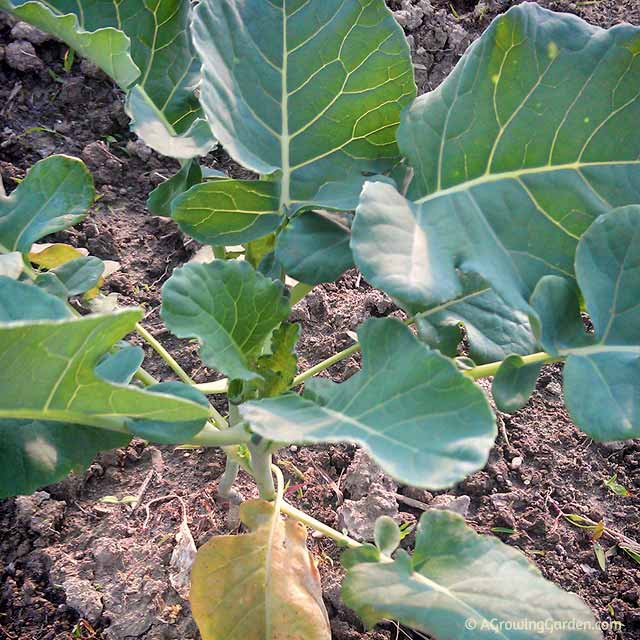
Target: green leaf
{"x": 514, "y": 383}
{"x": 171, "y": 432}
{"x": 54, "y": 195}
{"x": 421, "y": 419}
{"x": 21, "y": 301}
{"x": 488, "y": 196}
{"x": 97, "y": 40}
{"x": 56, "y": 359}
{"x": 314, "y": 246}
{"x": 146, "y": 43}
{"x": 51, "y": 284}
{"x": 162, "y": 128}
{"x": 607, "y": 363}
{"x": 161, "y": 198}
{"x": 120, "y": 367}
{"x": 314, "y": 100}
{"x": 11, "y": 264}
{"x": 79, "y": 275}
{"x": 494, "y": 330}
{"x": 34, "y": 453}
{"x": 462, "y": 586}
{"x": 277, "y": 368}
{"x": 386, "y": 535}
{"x": 228, "y": 211}
{"x": 230, "y": 308}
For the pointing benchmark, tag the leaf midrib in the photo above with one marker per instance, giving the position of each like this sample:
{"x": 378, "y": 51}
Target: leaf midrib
{"x": 517, "y": 175}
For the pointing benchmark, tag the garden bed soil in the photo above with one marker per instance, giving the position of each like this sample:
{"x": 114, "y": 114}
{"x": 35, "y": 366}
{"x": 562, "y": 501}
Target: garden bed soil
{"x": 73, "y": 566}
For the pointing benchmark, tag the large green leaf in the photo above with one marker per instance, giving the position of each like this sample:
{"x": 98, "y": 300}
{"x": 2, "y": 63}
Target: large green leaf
{"x": 308, "y": 93}
{"x": 101, "y": 40}
{"x": 462, "y": 586}
{"x": 602, "y": 370}
{"x": 421, "y": 419}
{"x": 146, "y": 43}
{"x": 48, "y": 374}
{"x": 54, "y": 195}
{"x": 229, "y": 307}
{"x": 34, "y": 453}
{"x": 530, "y": 138}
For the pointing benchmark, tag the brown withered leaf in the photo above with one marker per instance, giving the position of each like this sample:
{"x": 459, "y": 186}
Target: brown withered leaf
{"x": 262, "y": 585}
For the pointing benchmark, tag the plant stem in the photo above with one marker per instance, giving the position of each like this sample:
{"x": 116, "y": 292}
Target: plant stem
{"x": 325, "y": 364}
{"x": 145, "y": 377}
{"x": 325, "y": 529}
{"x": 163, "y": 353}
{"x": 213, "y": 388}
{"x": 228, "y": 478}
{"x": 485, "y": 370}
{"x": 261, "y": 471}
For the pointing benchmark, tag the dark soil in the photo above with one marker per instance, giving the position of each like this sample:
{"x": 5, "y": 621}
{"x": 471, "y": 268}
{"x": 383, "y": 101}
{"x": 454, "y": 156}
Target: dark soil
{"x": 72, "y": 566}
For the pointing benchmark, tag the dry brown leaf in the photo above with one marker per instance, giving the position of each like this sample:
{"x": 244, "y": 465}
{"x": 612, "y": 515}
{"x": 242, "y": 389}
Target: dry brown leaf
{"x": 263, "y": 585}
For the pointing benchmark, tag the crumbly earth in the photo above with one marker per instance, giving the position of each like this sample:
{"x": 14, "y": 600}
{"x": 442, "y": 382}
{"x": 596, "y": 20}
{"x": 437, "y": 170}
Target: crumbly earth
{"x": 72, "y": 566}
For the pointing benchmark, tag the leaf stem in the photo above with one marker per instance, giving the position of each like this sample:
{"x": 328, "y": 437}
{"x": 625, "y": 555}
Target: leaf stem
{"x": 325, "y": 364}
{"x": 323, "y": 528}
{"x": 163, "y": 353}
{"x": 213, "y": 388}
{"x": 486, "y": 370}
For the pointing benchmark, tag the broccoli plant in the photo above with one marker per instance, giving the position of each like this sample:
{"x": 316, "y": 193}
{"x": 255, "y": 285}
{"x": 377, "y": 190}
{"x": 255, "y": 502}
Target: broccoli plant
{"x": 500, "y": 205}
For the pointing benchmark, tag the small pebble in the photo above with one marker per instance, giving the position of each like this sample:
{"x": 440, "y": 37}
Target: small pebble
{"x": 516, "y": 463}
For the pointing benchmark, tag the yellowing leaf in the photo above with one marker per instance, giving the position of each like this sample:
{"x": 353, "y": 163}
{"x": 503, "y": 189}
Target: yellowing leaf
{"x": 53, "y": 255}
{"x": 263, "y": 585}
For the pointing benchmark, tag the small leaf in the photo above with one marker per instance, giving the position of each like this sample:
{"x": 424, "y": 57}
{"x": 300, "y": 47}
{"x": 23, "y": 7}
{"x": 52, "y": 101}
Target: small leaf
{"x": 164, "y": 432}
{"x": 605, "y": 363}
{"x": 514, "y": 383}
{"x": 615, "y": 487}
{"x": 598, "y": 530}
{"x": 54, "y": 195}
{"x": 461, "y": 586}
{"x": 314, "y": 246}
{"x": 162, "y": 197}
{"x": 50, "y": 256}
{"x": 600, "y": 556}
{"x": 79, "y": 275}
{"x": 225, "y": 212}
{"x": 120, "y": 367}
{"x": 420, "y": 418}
{"x": 271, "y": 586}
{"x": 386, "y": 535}
{"x": 229, "y": 307}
